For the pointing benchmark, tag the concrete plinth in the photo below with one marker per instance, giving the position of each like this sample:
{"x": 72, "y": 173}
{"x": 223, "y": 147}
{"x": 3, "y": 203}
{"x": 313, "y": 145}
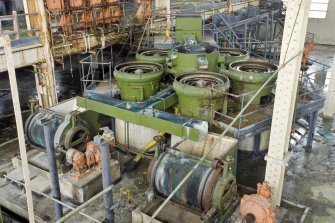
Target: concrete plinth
{"x": 89, "y": 184}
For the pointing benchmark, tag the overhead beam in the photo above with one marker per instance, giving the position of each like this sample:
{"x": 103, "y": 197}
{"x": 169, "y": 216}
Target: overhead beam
{"x": 286, "y": 91}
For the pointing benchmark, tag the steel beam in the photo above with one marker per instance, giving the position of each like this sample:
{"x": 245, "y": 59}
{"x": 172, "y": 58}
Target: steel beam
{"x": 329, "y": 108}
{"x": 47, "y": 68}
{"x": 23, "y": 56}
{"x": 286, "y": 91}
{"x": 19, "y": 124}
{"x": 142, "y": 119}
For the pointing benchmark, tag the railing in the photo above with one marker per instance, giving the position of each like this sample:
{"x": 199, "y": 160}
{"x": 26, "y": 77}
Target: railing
{"x": 90, "y": 77}
{"x": 242, "y": 33}
{"x": 14, "y": 20}
{"x": 310, "y": 97}
{"x": 15, "y": 25}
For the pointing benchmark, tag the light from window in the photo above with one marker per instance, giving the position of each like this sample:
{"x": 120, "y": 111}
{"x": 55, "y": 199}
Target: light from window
{"x": 318, "y": 8}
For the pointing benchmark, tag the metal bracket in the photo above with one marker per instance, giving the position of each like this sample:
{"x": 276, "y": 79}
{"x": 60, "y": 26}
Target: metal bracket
{"x": 282, "y": 162}
{"x": 45, "y": 119}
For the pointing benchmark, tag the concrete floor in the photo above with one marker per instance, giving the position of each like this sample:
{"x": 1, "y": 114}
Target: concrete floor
{"x": 310, "y": 178}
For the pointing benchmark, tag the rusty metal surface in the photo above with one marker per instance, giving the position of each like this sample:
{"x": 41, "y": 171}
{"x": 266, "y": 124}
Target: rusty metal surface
{"x": 92, "y": 154}
{"x": 55, "y": 4}
{"x": 258, "y": 206}
{"x": 208, "y": 192}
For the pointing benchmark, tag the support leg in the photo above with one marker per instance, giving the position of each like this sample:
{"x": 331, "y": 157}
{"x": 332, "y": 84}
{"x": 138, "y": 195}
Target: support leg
{"x": 312, "y": 123}
{"x": 106, "y": 175}
{"x": 48, "y": 136}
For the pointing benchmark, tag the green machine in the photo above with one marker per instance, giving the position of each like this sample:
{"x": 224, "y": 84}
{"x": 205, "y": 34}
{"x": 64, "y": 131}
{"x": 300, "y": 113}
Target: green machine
{"x": 248, "y": 76}
{"x": 189, "y": 58}
{"x": 188, "y": 28}
{"x": 190, "y": 54}
{"x": 229, "y": 55}
{"x": 152, "y": 55}
{"x": 200, "y": 94}
{"x": 138, "y": 80}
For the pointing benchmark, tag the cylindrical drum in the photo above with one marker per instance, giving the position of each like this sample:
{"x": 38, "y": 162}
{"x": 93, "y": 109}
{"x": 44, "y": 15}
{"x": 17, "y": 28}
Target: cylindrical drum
{"x": 201, "y": 94}
{"x": 248, "y": 76}
{"x": 191, "y": 58}
{"x": 229, "y": 55}
{"x": 138, "y": 80}
{"x": 203, "y": 189}
{"x": 35, "y": 132}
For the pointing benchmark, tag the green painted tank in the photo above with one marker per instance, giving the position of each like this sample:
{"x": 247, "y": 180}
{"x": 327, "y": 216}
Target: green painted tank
{"x": 138, "y": 80}
{"x": 229, "y": 55}
{"x": 200, "y": 94}
{"x": 248, "y": 76}
{"x": 189, "y": 58}
{"x": 152, "y": 55}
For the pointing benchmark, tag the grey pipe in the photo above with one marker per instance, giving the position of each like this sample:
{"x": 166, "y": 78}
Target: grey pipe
{"x": 106, "y": 177}
{"x": 46, "y": 122}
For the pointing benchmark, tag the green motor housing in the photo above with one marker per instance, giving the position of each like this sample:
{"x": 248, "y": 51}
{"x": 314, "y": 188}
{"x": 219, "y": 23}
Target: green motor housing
{"x": 200, "y": 94}
{"x": 189, "y": 58}
{"x": 248, "y": 76}
{"x": 188, "y": 26}
{"x": 138, "y": 80}
{"x": 152, "y": 55}
{"x": 229, "y": 55}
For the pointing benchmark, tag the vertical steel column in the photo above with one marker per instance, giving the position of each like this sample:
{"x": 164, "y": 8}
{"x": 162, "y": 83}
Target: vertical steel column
{"x": 329, "y": 108}
{"x": 286, "y": 91}
{"x": 106, "y": 177}
{"x": 5, "y": 40}
{"x": 47, "y": 122}
{"x": 47, "y": 68}
{"x": 312, "y": 123}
